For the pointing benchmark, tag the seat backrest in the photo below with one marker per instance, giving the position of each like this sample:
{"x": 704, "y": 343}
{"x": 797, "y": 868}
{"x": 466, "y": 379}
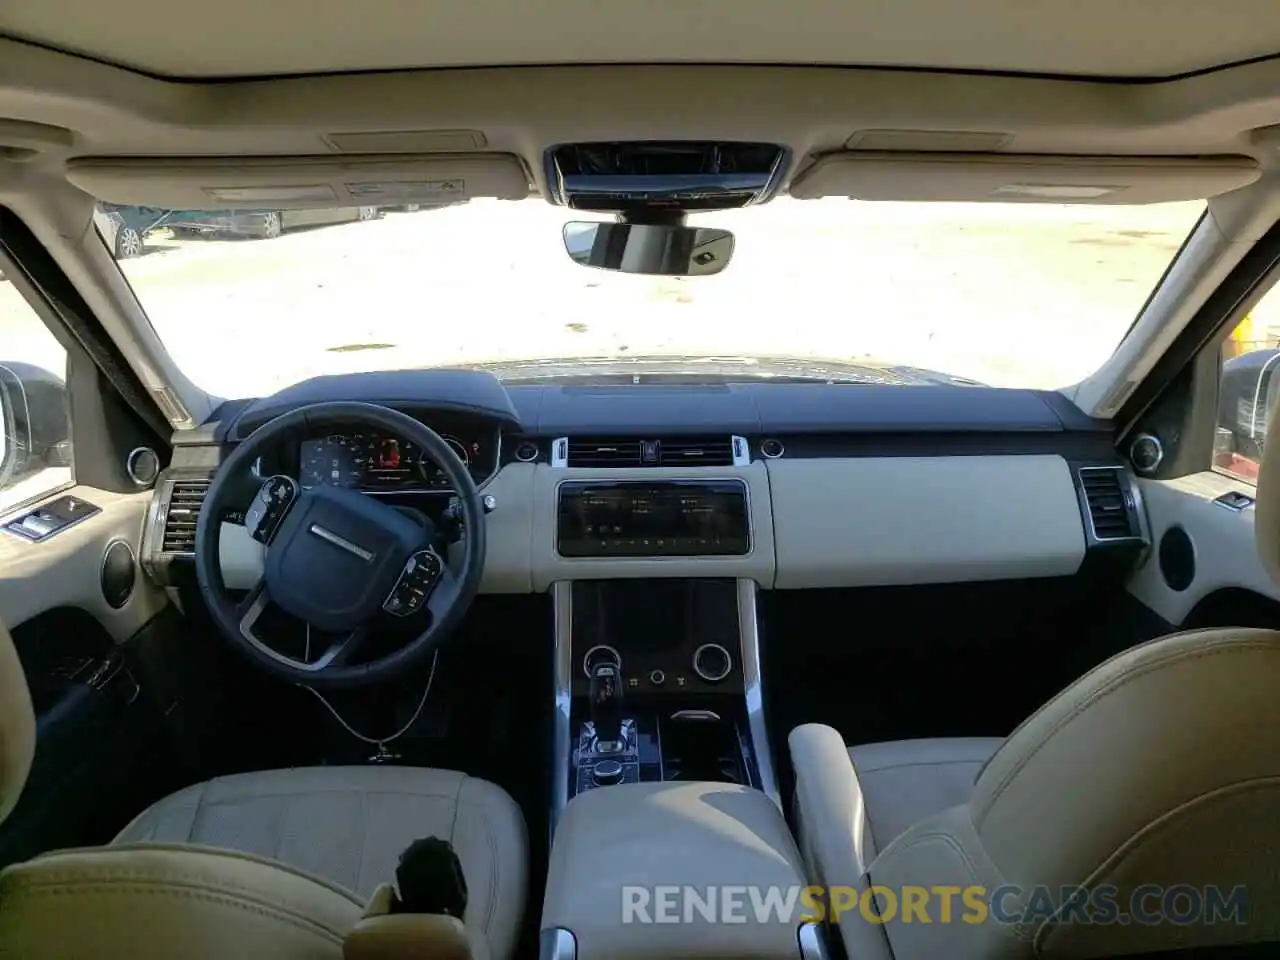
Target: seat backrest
{"x": 17, "y": 726}
{"x": 1159, "y": 767}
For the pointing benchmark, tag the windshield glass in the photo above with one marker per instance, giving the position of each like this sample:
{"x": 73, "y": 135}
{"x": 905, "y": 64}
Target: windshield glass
{"x": 1022, "y": 295}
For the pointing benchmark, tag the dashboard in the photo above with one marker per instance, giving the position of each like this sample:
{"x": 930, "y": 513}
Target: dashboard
{"x": 800, "y": 485}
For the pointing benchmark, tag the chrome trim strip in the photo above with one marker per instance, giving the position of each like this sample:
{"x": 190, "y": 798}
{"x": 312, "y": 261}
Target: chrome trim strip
{"x": 728, "y": 659}
{"x": 560, "y": 452}
{"x": 328, "y": 536}
{"x": 1128, "y": 489}
{"x": 753, "y": 687}
{"x": 562, "y": 734}
{"x": 586, "y": 658}
{"x": 1159, "y": 453}
{"x": 812, "y": 944}
{"x": 557, "y": 944}
{"x": 130, "y": 467}
{"x": 695, "y": 715}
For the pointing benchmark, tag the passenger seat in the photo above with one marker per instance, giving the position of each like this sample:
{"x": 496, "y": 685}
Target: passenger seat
{"x": 1161, "y": 766}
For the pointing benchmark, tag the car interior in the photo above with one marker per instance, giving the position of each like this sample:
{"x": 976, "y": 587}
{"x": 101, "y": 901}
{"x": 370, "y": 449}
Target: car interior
{"x": 441, "y": 662}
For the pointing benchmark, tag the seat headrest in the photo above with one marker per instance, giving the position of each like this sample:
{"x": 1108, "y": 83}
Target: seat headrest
{"x": 17, "y": 726}
{"x": 1266, "y": 514}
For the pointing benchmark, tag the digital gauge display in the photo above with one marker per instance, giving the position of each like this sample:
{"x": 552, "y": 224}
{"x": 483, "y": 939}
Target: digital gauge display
{"x": 369, "y": 462}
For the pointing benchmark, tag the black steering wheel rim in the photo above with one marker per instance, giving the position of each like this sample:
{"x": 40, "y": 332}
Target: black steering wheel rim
{"x": 308, "y": 420}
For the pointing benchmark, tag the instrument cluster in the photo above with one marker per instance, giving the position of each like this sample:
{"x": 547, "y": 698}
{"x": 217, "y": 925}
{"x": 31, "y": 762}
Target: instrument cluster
{"x": 373, "y": 462}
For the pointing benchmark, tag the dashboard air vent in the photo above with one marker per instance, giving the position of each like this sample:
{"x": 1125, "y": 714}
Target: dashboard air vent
{"x": 185, "y": 499}
{"x": 656, "y": 452}
{"x": 1110, "y": 503}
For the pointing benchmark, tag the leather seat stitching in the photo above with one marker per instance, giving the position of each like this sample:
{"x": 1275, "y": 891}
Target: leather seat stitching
{"x": 262, "y": 908}
{"x": 1098, "y": 696}
{"x": 116, "y": 874}
{"x": 492, "y": 844}
{"x": 920, "y": 763}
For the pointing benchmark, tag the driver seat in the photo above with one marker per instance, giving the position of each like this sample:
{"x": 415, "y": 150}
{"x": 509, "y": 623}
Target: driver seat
{"x": 275, "y": 864}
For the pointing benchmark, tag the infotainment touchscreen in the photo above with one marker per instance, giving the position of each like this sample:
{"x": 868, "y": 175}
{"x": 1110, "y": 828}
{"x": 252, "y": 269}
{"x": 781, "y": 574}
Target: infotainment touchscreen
{"x": 672, "y": 518}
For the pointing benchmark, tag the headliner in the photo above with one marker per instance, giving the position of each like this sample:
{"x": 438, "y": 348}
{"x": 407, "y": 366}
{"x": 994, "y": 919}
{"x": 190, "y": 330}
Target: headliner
{"x": 1129, "y": 39}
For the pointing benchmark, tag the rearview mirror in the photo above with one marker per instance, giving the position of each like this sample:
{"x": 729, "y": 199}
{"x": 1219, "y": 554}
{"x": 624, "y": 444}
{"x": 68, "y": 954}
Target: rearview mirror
{"x": 655, "y": 250}
{"x": 34, "y": 430}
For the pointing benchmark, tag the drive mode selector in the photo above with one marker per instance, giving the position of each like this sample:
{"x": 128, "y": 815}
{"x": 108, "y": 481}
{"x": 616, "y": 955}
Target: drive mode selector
{"x": 607, "y": 772}
{"x": 712, "y": 662}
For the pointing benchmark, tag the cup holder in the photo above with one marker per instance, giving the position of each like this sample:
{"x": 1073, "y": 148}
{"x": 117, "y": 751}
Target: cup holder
{"x": 702, "y": 750}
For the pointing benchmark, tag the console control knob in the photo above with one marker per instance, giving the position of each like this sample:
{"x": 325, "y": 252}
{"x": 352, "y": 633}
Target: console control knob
{"x": 657, "y": 678}
{"x": 712, "y": 662}
{"x": 606, "y": 772}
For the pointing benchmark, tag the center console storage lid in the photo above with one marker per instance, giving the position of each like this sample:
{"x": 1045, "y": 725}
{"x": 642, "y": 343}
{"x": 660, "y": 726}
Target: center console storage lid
{"x": 614, "y": 842}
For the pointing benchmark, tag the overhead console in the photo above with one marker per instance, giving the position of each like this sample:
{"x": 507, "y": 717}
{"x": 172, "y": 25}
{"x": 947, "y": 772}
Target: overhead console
{"x": 687, "y": 176}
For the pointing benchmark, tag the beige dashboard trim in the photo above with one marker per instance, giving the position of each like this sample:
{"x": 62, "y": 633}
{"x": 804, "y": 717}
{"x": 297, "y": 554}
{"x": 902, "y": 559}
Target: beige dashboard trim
{"x": 814, "y": 523}
{"x": 870, "y": 521}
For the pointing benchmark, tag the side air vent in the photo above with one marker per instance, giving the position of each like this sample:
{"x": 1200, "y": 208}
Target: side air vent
{"x": 717, "y": 451}
{"x": 183, "y": 510}
{"x": 1109, "y": 500}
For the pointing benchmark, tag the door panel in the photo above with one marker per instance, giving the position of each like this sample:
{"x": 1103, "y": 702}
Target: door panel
{"x": 65, "y": 570}
{"x": 102, "y": 751}
{"x": 1207, "y": 547}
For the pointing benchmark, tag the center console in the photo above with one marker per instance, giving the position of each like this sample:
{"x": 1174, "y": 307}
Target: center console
{"x": 663, "y": 774}
{"x": 658, "y": 680}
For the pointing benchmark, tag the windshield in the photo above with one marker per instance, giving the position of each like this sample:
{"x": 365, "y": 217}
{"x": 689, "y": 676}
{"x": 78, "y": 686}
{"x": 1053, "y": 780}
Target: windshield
{"x": 1021, "y": 295}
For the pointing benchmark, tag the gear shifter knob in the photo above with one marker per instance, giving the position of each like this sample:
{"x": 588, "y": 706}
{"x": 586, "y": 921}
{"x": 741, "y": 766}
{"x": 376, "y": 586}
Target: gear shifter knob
{"x": 606, "y": 705}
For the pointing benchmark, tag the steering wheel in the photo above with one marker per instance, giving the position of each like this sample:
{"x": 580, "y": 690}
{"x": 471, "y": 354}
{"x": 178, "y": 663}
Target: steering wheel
{"x": 341, "y": 561}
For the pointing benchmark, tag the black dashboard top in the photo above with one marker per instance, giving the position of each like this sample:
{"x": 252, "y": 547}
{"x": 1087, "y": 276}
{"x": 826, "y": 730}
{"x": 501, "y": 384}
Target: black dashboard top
{"x": 743, "y": 407}
{"x": 473, "y": 392}
{"x": 756, "y": 408}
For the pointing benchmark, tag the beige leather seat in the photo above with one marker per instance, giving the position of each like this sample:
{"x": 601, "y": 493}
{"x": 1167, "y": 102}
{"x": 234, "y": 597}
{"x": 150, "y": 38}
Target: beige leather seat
{"x": 276, "y": 864}
{"x": 1162, "y": 766}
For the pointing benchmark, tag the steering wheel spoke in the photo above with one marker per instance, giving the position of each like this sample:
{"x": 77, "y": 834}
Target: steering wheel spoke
{"x": 341, "y": 652}
{"x": 251, "y": 608}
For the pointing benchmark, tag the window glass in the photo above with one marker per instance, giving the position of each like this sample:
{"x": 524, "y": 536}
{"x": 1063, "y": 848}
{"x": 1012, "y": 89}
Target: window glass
{"x": 35, "y": 442}
{"x": 1248, "y": 390}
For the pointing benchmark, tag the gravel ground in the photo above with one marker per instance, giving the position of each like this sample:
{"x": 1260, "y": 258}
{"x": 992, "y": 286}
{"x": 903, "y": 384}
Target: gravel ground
{"x": 1008, "y": 295}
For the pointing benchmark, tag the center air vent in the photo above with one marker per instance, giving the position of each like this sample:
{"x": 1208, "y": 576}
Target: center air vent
{"x": 1109, "y": 500}
{"x": 183, "y": 510}
{"x": 714, "y": 451}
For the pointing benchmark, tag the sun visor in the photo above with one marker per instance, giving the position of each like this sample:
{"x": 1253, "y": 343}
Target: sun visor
{"x": 1026, "y": 179}
{"x": 286, "y": 183}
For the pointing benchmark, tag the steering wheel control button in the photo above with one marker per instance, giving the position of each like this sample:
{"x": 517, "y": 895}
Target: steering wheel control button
{"x": 712, "y": 662}
{"x": 417, "y": 580}
{"x": 273, "y": 501}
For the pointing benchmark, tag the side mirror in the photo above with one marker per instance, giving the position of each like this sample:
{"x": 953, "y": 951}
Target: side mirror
{"x": 35, "y": 431}
{"x": 654, "y": 250}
